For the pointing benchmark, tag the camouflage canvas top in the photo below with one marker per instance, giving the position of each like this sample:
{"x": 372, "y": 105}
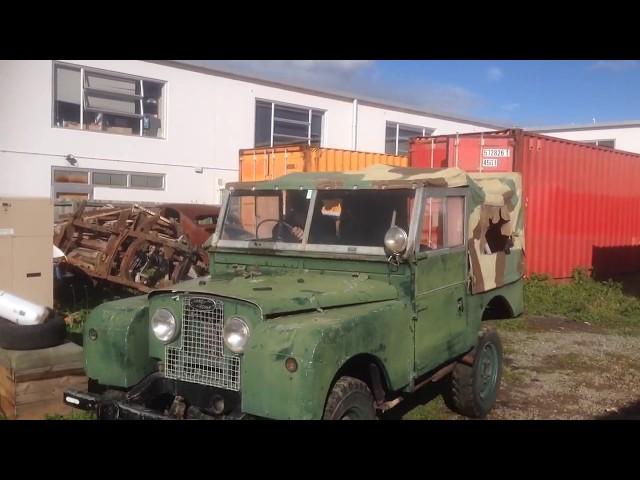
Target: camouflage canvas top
{"x": 496, "y": 223}
{"x": 376, "y": 176}
{"x": 490, "y": 186}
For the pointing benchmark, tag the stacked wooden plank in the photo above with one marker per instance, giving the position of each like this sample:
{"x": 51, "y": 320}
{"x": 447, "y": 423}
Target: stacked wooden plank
{"x": 32, "y": 382}
{"x": 130, "y": 245}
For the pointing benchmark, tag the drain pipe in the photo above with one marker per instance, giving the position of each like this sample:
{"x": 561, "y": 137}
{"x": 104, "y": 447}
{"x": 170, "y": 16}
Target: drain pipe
{"x": 354, "y": 126}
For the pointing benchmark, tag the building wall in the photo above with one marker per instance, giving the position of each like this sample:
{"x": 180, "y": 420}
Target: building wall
{"x": 372, "y": 123}
{"x": 207, "y": 120}
{"x": 627, "y": 138}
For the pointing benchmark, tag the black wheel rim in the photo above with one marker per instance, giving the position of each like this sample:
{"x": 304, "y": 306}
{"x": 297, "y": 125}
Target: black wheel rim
{"x": 487, "y": 371}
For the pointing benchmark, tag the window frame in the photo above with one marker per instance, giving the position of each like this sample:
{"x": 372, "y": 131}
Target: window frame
{"x": 348, "y": 251}
{"x": 398, "y": 126}
{"x": 443, "y": 193}
{"x": 90, "y": 187}
{"x": 597, "y": 142}
{"x": 82, "y": 92}
{"x": 310, "y": 111}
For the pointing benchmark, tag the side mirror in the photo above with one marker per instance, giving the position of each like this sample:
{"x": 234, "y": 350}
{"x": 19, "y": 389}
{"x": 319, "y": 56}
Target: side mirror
{"x": 395, "y": 240}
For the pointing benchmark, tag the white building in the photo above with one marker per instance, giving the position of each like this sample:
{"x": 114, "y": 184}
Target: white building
{"x": 619, "y": 135}
{"x": 170, "y": 131}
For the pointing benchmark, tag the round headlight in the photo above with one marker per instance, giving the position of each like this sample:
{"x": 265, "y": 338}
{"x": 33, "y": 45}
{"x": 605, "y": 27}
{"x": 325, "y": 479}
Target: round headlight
{"x": 395, "y": 240}
{"x": 163, "y": 324}
{"x": 236, "y": 334}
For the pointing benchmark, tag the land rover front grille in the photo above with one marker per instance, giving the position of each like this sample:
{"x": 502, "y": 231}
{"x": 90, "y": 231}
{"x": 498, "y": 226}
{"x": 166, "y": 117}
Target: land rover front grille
{"x": 199, "y": 357}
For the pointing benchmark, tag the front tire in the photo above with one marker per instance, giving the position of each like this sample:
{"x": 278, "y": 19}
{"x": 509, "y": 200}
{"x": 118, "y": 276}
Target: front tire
{"x": 350, "y": 399}
{"x": 472, "y": 390}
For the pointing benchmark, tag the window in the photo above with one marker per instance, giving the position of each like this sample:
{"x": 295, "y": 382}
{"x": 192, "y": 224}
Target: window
{"x": 285, "y": 125}
{"x": 443, "y": 223}
{"x": 71, "y": 184}
{"x": 359, "y": 217}
{"x": 354, "y": 219}
{"x": 115, "y": 179}
{"x": 398, "y": 135}
{"x": 433, "y": 225}
{"x": 79, "y": 184}
{"x": 455, "y": 221}
{"x": 71, "y": 176}
{"x": 611, "y": 143}
{"x": 87, "y": 99}
{"x": 146, "y": 181}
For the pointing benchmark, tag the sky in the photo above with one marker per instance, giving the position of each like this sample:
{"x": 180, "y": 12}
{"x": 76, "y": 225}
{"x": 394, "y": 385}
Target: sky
{"x": 521, "y": 92}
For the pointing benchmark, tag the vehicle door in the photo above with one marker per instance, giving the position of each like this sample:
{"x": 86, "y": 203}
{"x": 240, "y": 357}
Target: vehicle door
{"x": 441, "y": 275}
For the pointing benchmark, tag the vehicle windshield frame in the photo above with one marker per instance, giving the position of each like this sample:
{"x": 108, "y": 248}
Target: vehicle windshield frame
{"x": 304, "y": 245}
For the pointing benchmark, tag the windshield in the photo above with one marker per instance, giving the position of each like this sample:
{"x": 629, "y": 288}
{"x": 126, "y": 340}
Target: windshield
{"x": 357, "y": 218}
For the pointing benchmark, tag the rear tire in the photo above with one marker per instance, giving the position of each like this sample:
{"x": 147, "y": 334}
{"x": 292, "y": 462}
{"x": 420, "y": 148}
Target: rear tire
{"x": 350, "y": 399}
{"x": 472, "y": 390}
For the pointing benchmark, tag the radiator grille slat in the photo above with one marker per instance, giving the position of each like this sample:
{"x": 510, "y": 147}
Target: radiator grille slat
{"x": 200, "y": 356}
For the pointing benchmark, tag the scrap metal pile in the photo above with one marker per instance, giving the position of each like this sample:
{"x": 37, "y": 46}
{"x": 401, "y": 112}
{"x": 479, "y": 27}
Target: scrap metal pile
{"x": 138, "y": 247}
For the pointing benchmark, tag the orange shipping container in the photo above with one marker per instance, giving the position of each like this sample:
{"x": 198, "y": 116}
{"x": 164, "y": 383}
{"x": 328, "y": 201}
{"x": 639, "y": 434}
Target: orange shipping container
{"x": 269, "y": 163}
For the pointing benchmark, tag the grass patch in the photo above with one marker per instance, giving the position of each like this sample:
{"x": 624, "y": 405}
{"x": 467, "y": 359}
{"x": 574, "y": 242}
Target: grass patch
{"x": 75, "y": 415}
{"x": 571, "y": 362}
{"x": 433, "y": 410}
{"x": 513, "y": 377}
{"x": 583, "y": 299}
{"x": 510, "y": 325}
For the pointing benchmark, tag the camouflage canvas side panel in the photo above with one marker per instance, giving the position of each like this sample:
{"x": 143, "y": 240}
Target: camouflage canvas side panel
{"x": 496, "y": 235}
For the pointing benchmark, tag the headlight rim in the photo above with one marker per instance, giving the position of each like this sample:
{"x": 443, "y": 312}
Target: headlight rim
{"x": 236, "y": 350}
{"x": 176, "y": 326}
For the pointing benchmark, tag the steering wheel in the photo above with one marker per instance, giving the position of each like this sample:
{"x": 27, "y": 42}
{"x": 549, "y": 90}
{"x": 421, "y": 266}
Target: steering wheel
{"x": 278, "y": 222}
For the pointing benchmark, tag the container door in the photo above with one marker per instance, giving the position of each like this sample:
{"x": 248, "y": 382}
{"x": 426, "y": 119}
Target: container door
{"x": 441, "y": 282}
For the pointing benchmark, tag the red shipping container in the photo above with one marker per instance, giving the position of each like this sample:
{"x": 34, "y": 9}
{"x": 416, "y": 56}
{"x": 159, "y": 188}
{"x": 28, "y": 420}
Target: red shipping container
{"x": 486, "y": 153}
{"x": 582, "y": 202}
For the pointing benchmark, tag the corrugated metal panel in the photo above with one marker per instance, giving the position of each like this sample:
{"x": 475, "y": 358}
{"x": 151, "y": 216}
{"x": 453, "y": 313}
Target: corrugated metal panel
{"x": 269, "y": 163}
{"x": 428, "y": 152}
{"x": 582, "y": 203}
{"x": 489, "y": 152}
{"x": 582, "y": 207}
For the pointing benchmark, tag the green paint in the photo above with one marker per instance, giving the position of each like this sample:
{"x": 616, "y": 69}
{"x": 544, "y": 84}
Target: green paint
{"x": 321, "y": 309}
{"x": 120, "y": 354}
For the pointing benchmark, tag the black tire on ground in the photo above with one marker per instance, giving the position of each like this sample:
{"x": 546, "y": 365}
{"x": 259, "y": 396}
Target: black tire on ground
{"x": 32, "y": 337}
{"x": 350, "y": 399}
{"x": 472, "y": 390}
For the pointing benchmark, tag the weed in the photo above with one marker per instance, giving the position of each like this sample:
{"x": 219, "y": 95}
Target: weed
{"x": 583, "y": 299}
{"x": 75, "y": 415}
{"x": 433, "y": 410}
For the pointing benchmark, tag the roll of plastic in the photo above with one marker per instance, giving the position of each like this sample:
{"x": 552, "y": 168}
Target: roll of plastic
{"x": 21, "y": 311}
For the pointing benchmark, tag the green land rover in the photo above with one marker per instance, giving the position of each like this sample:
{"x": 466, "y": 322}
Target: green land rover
{"x": 330, "y": 296}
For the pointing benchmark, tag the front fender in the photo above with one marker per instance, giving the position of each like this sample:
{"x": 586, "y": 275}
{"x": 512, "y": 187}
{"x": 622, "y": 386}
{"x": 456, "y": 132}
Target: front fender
{"x": 119, "y": 354}
{"x": 321, "y": 343}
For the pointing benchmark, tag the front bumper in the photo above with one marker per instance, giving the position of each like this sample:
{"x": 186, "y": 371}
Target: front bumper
{"x": 133, "y": 405}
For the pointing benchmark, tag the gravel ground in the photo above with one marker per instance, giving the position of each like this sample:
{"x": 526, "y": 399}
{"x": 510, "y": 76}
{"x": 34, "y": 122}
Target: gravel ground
{"x": 557, "y": 369}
